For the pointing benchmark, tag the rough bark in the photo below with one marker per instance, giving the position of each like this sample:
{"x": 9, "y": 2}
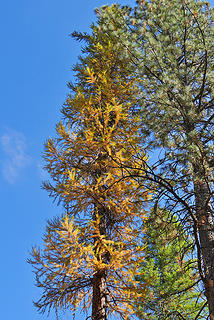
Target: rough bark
{"x": 99, "y": 299}
{"x": 99, "y": 302}
{"x": 204, "y": 214}
{"x": 206, "y": 234}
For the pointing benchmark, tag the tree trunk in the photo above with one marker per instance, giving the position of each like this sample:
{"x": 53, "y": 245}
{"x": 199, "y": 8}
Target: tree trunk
{"x": 99, "y": 302}
{"x": 204, "y": 214}
{"x": 206, "y": 234}
{"x": 99, "y": 299}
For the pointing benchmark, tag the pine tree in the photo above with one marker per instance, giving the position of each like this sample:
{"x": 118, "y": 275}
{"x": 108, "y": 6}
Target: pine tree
{"x": 172, "y": 292}
{"x": 169, "y": 45}
{"x": 93, "y": 253}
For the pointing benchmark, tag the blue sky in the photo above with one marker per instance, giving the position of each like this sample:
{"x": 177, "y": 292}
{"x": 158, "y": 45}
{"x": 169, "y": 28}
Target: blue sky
{"x": 37, "y": 55}
{"x": 36, "y": 59}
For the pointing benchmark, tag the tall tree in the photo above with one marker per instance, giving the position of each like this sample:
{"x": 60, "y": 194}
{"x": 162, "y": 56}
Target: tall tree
{"x": 93, "y": 253}
{"x": 170, "y": 46}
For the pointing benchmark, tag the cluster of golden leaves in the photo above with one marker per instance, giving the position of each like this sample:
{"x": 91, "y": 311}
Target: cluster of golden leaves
{"x": 71, "y": 257}
{"x": 86, "y": 163}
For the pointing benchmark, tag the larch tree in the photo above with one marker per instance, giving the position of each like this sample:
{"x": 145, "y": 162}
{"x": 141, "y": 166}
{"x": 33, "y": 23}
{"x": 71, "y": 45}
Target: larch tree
{"x": 92, "y": 254}
{"x": 169, "y": 45}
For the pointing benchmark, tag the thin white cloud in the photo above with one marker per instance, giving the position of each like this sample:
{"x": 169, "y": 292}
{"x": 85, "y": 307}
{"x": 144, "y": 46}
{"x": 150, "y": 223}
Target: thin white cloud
{"x": 42, "y": 173}
{"x": 14, "y": 158}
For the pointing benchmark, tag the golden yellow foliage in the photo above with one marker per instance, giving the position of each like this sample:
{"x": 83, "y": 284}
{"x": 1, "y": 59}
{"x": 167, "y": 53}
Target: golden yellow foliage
{"x": 73, "y": 254}
{"x": 101, "y": 232}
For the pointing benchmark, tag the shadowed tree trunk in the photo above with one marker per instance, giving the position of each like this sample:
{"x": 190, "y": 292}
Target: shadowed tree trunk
{"x": 204, "y": 215}
{"x": 99, "y": 299}
{"x": 206, "y": 234}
